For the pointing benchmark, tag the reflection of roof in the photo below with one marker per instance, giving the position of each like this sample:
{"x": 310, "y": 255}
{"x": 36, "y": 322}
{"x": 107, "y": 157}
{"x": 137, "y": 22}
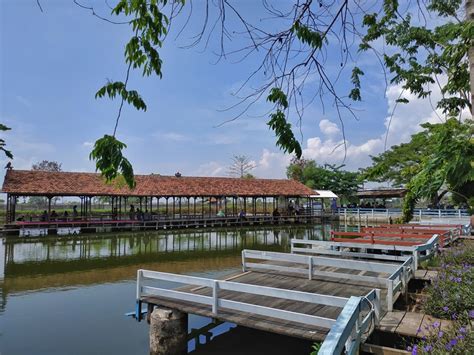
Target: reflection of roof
{"x": 29, "y": 182}
{"x": 374, "y": 193}
{"x": 325, "y": 194}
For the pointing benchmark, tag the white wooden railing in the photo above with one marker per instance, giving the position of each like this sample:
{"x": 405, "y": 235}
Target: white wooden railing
{"x": 396, "y": 283}
{"x": 419, "y": 213}
{"x": 357, "y": 316}
{"x": 347, "y": 333}
{"x": 216, "y": 302}
{"x": 360, "y": 250}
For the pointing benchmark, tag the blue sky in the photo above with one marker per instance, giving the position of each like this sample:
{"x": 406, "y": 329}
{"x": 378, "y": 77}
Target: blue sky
{"x": 52, "y": 64}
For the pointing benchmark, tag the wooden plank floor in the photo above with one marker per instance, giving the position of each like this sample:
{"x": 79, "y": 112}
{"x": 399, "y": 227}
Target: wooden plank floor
{"x": 411, "y": 323}
{"x": 326, "y": 286}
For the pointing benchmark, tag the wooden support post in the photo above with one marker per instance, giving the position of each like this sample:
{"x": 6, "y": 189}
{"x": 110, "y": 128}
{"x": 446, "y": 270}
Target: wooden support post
{"x": 168, "y": 332}
{"x": 187, "y": 212}
{"x": 202, "y": 206}
{"x": 174, "y": 207}
{"x": 49, "y": 206}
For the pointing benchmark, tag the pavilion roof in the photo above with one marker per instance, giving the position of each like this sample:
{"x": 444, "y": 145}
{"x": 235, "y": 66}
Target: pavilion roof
{"x": 382, "y": 193}
{"x": 43, "y": 183}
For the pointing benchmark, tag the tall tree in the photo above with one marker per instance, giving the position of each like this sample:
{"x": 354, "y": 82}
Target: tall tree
{"x": 46, "y": 165}
{"x": 449, "y": 166}
{"x": 438, "y": 160}
{"x": 399, "y": 164}
{"x": 241, "y": 166}
{"x": 327, "y": 177}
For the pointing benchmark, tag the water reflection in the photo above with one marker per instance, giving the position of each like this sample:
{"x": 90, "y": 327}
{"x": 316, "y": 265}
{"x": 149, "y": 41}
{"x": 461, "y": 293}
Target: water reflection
{"x": 42, "y": 279}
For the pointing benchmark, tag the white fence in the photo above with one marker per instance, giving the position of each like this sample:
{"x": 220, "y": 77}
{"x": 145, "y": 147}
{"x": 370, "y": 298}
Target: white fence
{"x": 419, "y": 213}
{"x": 361, "y": 250}
{"x": 356, "y": 318}
{"x": 307, "y": 265}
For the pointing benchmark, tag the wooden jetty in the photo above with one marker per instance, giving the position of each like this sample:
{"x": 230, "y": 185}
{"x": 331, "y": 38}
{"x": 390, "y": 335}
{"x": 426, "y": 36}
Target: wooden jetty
{"x": 310, "y": 297}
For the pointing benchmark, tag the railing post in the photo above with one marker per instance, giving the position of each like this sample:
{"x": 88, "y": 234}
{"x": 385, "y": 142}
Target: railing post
{"x": 459, "y": 213}
{"x": 310, "y": 268}
{"x": 415, "y": 257}
{"x": 243, "y": 261}
{"x": 390, "y": 296}
{"x": 377, "y": 306}
{"x": 420, "y": 215}
{"x": 439, "y": 213}
{"x": 138, "y": 304}
{"x": 215, "y": 289}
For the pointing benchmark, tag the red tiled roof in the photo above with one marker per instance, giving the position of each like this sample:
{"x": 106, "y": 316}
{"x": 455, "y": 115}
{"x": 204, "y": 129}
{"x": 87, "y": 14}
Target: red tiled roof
{"x": 28, "y": 182}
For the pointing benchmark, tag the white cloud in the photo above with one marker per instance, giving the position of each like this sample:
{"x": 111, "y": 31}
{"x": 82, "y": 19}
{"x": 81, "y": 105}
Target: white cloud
{"x": 402, "y": 121}
{"x": 171, "y": 136}
{"x": 272, "y": 165}
{"x": 88, "y": 144}
{"x": 212, "y": 168}
{"x": 328, "y": 128}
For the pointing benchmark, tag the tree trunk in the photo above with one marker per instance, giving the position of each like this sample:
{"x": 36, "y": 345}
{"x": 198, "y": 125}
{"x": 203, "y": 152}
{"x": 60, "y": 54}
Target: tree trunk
{"x": 470, "y": 17}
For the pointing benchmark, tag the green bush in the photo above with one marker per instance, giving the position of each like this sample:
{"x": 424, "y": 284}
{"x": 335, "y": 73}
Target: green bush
{"x": 451, "y": 293}
{"x": 458, "y": 339}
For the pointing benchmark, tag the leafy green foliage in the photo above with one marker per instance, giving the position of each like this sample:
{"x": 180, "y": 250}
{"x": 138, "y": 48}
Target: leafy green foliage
{"x": 149, "y": 25}
{"x": 8, "y": 153}
{"x": 355, "y": 79}
{"x": 449, "y": 164}
{"x": 112, "y": 89}
{"x": 328, "y": 177}
{"x": 423, "y": 53}
{"x": 315, "y": 347}
{"x": 306, "y": 35}
{"x": 110, "y": 161}
{"x": 278, "y": 123}
{"x": 399, "y": 164}
{"x": 441, "y": 157}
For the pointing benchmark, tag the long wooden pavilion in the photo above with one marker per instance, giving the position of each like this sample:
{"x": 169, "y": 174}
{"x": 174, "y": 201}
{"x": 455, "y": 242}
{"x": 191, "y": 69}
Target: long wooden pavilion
{"x": 161, "y": 200}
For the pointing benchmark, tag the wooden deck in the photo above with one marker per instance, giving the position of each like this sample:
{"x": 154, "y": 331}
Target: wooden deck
{"x": 322, "y": 285}
{"x": 411, "y": 323}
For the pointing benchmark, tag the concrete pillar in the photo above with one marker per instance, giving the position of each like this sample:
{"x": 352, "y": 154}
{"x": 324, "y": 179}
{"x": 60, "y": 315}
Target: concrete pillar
{"x": 168, "y": 332}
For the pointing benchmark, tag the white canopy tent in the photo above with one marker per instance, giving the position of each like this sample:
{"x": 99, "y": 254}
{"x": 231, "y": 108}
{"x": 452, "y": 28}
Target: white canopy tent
{"x": 324, "y": 194}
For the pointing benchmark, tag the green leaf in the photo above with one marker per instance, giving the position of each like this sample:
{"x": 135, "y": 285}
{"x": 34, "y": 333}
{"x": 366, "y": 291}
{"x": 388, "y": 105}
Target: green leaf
{"x": 111, "y": 163}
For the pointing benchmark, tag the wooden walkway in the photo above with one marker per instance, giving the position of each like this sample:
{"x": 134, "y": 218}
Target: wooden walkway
{"x": 320, "y": 285}
{"x": 61, "y": 227}
{"x": 411, "y": 323}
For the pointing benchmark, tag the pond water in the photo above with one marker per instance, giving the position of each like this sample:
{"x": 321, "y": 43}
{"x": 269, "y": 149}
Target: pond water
{"x": 69, "y": 295}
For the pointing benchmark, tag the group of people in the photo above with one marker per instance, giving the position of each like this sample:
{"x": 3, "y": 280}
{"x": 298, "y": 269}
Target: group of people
{"x": 45, "y": 216}
{"x": 294, "y": 208}
{"x": 139, "y": 215}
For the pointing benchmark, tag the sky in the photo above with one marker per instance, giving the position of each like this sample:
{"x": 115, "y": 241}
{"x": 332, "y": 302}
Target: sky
{"x": 53, "y": 62}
